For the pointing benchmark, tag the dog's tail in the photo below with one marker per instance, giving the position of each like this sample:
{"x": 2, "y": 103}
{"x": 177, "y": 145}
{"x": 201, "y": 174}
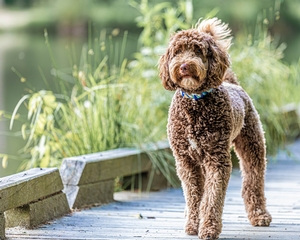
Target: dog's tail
{"x": 230, "y": 77}
{"x": 218, "y": 30}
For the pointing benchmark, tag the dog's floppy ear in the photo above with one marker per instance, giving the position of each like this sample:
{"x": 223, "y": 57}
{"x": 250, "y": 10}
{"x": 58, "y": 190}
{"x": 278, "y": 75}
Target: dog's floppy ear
{"x": 218, "y": 60}
{"x": 164, "y": 74}
{"x": 219, "y": 41}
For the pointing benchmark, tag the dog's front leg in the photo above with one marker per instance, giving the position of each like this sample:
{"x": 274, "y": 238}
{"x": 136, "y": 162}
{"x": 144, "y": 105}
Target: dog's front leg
{"x": 217, "y": 174}
{"x": 192, "y": 182}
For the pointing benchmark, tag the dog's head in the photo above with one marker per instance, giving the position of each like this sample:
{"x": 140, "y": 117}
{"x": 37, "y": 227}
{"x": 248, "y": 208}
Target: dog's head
{"x": 196, "y": 59}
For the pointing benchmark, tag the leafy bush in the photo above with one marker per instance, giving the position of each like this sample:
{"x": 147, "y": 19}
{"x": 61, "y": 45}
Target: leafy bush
{"x": 101, "y": 103}
{"x": 104, "y": 102}
{"x": 272, "y": 84}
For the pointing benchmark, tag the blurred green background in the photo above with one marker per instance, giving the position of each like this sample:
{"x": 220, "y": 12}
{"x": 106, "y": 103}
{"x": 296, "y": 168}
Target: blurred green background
{"x": 22, "y": 42}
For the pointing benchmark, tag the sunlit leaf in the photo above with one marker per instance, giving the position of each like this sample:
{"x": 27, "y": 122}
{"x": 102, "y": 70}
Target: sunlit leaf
{"x": 23, "y": 130}
{"x": 16, "y": 109}
{"x": 45, "y": 161}
{"x": 42, "y": 147}
{"x": 5, "y": 161}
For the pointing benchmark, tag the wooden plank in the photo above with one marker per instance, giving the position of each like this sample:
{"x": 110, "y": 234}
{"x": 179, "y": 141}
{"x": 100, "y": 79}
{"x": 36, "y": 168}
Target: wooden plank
{"x": 99, "y": 167}
{"x": 17, "y": 217}
{"x": 160, "y": 215}
{"x": 34, "y": 214}
{"x": 140, "y": 225}
{"x": 106, "y": 165}
{"x": 149, "y": 233}
{"x": 25, "y": 187}
{"x": 113, "y": 221}
{"x": 49, "y": 208}
{"x": 90, "y": 194}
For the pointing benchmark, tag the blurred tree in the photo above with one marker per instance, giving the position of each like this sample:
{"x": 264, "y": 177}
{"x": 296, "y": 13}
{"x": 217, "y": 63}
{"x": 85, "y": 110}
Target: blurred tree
{"x": 19, "y": 3}
{"x": 242, "y": 16}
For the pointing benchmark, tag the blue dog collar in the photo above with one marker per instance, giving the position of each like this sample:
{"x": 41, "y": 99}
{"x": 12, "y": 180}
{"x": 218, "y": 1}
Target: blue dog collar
{"x": 195, "y": 96}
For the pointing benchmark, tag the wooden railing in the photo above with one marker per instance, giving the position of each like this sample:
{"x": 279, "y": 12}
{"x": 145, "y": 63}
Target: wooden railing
{"x": 30, "y": 198}
{"x": 37, "y": 195}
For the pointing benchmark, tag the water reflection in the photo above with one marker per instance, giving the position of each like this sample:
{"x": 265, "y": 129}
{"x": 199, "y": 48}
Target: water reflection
{"x": 9, "y": 43}
{"x": 26, "y": 53}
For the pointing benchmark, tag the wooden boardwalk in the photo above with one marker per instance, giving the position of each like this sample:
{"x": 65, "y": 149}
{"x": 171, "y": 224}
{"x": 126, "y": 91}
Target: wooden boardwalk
{"x": 159, "y": 215}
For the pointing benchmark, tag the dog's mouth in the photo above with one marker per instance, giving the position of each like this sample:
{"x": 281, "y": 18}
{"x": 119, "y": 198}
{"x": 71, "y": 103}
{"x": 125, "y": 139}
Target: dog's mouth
{"x": 189, "y": 82}
{"x": 187, "y": 76}
{"x": 192, "y": 78}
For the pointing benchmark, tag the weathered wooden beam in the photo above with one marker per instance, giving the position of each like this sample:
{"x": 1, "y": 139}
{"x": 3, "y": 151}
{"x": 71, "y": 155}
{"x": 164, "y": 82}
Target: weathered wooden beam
{"x": 33, "y": 214}
{"x": 291, "y": 113}
{"x": 22, "y": 188}
{"x": 88, "y": 179}
{"x": 90, "y": 194}
{"x": 31, "y": 197}
{"x": 102, "y": 166}
{"x": 153, "y": 180}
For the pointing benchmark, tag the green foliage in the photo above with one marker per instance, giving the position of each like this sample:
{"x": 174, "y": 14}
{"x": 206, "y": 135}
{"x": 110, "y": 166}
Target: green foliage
{"x": 256, "y": 59}
{"x": 272, "y": 84}
{"x": 103, "y": 102}
{"x": 161, "y": 20}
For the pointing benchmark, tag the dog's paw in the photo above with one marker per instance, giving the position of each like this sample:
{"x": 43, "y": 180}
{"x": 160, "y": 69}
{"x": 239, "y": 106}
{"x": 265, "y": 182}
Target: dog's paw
{"x": 191, "y": 228}
{"x": 209, "y": 234}
{"x": 210, "y": 231}
{"x": 260, "y": 218}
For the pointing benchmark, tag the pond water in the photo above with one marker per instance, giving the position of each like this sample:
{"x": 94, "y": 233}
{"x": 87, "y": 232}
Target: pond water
{"x": 27, "y": 53}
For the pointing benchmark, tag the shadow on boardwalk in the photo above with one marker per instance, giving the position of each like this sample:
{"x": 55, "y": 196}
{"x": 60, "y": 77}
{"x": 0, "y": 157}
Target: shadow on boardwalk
{"x": 160, "y": 215}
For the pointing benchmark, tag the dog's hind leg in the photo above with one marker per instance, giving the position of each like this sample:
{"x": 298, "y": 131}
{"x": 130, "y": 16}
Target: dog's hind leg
{"x": 192, "y": 184}
{"x": 250, "y": 148}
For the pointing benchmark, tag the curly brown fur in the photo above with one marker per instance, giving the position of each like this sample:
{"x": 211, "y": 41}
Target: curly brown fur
{"x": 202, "y": 131}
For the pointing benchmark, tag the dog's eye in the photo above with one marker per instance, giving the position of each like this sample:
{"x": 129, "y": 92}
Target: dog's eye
{"x": 177, "y": 52}
{"x": 209, "y": 52}
{"x": 198, "y": 51}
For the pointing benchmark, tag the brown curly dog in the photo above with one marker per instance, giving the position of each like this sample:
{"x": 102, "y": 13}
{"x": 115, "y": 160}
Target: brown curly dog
{"x": 209, "y": 113}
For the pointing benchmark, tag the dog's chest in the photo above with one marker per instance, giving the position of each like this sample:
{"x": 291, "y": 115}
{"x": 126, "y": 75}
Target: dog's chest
{"x": 217, "y": 118}
{"x": 200, "y": 119}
